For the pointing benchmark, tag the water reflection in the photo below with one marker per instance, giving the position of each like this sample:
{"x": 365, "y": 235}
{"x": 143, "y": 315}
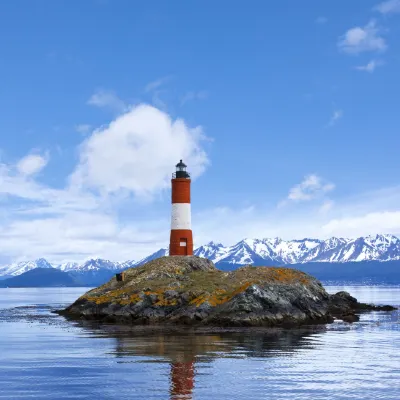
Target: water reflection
{"x": 183, "y": 349}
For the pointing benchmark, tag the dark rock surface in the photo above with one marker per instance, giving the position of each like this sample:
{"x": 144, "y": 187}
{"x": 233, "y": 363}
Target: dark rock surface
{"x": 191, "y": 291}
{"x": 343, "y": 306}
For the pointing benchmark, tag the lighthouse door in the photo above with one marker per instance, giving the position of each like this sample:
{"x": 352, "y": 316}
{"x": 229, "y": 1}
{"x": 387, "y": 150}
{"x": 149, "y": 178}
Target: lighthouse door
{"x": 183, "y": 246}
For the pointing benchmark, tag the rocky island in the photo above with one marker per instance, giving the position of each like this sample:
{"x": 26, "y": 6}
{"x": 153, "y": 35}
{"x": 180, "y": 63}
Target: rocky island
{"x": 190, "y": 290}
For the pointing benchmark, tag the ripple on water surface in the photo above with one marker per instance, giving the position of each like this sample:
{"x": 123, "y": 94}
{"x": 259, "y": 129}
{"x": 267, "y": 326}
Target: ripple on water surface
{"x": 45, "y": 357}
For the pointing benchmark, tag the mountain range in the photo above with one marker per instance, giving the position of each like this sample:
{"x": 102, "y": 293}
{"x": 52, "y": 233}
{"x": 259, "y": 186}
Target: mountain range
{"x": 281, "y": 252}
{"x": 377, "y": 248}
{"x": 41, "y": 277}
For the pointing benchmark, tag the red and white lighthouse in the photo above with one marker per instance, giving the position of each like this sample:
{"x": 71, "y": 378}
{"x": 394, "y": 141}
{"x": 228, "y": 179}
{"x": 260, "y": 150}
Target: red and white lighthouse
{"x": 181, "y": 241}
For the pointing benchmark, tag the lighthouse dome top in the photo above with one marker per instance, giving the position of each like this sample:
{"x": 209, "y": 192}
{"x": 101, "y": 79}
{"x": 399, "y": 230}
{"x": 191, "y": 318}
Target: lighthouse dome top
{"x": 181, "y": 171}
{"x": 180, "y": 164}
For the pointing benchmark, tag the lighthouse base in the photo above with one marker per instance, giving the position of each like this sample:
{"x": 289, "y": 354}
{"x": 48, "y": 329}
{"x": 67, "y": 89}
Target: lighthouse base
{"x": 181, "y": 242}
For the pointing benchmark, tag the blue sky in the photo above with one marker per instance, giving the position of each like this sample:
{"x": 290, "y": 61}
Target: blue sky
{"x": 286, "y": 113}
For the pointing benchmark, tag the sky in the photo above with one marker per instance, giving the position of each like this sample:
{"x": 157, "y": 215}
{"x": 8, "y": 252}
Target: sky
{"x": 286, "y": 113}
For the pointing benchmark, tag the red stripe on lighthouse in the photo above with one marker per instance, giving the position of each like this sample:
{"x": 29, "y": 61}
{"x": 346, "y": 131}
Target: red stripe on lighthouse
{"x": 180, "y": 190}
{"x": 181, "y": 242}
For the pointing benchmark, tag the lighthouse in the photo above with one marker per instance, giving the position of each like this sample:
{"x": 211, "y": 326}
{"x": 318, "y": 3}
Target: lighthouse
{"x": 181, "y": 240}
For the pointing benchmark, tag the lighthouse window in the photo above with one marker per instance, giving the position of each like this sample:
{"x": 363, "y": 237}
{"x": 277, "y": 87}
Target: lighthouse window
{"x": 183, "y": 244}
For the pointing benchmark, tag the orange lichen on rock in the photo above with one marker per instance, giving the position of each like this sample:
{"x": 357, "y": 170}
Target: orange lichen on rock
{"x": 219, "y": 296}
{"x": 163, "y": 302}
{"x": 109, "y": 296}
{"x": 133, "y": 299}
{"x": 288, "y": 275}
{"x": 197, "y": 301}
{"x": 196, "y": 278}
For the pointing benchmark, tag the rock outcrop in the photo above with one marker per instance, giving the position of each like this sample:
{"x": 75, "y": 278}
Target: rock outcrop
{"x": 191, "y": 290}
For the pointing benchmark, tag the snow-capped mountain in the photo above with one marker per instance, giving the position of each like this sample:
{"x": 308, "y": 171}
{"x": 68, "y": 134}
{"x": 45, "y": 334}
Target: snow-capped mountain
{"x": 94, "y": 271}
{"x": 254, "y": 251}
{"x": 68, "y": 266}
{"x": 270, "y": 251}
{"x": 98, "y": 264}
{"x": 211, "y": 250}
{"x": 23, "y": 266}
{"x": 278, "y": 251}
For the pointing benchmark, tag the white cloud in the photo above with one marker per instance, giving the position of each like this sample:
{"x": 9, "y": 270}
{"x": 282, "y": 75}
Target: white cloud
{"x": 40, "y": 198}
{"x": 78, "y": 236}
{"x": 370, "y": 67}
{"x": 336, "y": 116}
{"x": 135, "y": 153}
{"x": 107, "y": 99}
{"x": 31, "y": 164}
{"x": 389, "y": 7}
{"x": 63, "y": 224}
{"x": 139, "y": 150}
{"x": 83, "y": 128}
{"x": 310, "y": 188}
{"x": 358, "y": 215}
{"x": 362, "y": 39}
{"x": 371, "y": 223}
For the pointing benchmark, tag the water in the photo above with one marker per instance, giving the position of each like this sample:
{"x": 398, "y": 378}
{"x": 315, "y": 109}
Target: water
{"x": 43, "y": 356}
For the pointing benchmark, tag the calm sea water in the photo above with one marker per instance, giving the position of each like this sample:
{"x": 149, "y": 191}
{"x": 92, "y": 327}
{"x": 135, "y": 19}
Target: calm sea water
{"x": 42, "y": 356}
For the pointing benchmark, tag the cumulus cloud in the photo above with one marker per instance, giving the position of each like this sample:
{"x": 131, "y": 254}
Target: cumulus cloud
{"x": 106, "y": 99}
{"x": 310, "y": 188}
{"x": 65, "y": 224}
{"x": 135, "y": 153}
{"x": 362, "y": 39}
{"x": 370, "y": 67}
{"x": 389, "y": 7}
{"x": 31, "y": 164}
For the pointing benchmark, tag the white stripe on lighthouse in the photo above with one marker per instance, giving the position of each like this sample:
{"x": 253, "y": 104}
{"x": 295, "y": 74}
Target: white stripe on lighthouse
{"x": 181, "y": 216}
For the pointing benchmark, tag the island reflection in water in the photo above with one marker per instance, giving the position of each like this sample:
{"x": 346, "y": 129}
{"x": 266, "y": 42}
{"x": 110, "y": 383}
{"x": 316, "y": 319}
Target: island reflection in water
{"x": 183, "y": 348}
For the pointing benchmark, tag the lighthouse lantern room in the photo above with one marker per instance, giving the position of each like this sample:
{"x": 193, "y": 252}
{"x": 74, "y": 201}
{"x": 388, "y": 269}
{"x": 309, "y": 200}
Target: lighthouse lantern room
{"x": 181, "y": 239}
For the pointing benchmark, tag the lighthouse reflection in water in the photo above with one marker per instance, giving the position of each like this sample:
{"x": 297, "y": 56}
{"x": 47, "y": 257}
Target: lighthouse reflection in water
{"x": 183, "y": 351}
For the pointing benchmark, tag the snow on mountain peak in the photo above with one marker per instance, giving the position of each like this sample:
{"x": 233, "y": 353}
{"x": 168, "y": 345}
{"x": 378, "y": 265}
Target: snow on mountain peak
{"x": 24, "y": 266}
{"x": 267, "y": 251}
{"x": 99, "y": 264}
{"x": 68, "y": 266}
{"x": 275, "y": 251}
